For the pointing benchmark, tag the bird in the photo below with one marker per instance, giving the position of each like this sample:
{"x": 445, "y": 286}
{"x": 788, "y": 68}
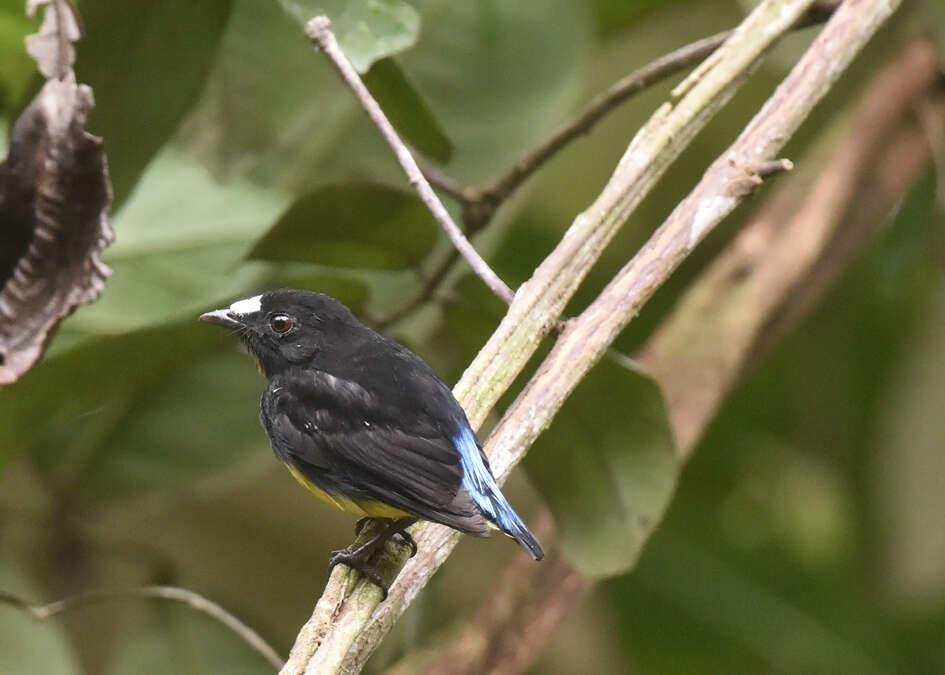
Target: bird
{"x": 366, "y": 425}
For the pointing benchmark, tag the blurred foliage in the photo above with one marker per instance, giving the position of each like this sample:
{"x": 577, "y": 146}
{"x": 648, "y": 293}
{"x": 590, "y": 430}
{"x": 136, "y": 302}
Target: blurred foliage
{"x": 610, "y": 460}
{"x": 27, "y": 646}
{"x": 139, "y": 105}
{"x": 805, "y": 536}
{"x": 353, "y": 225}
{"x": 367, "y": 30}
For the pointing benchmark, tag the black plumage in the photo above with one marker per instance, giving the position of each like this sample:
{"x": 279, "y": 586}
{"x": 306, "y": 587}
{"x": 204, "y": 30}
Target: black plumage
{"x": 364, "y": 420}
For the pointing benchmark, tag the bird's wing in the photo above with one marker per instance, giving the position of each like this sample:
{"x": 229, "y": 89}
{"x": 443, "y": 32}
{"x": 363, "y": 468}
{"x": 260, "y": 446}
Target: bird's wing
{"x": 347, "y": 440}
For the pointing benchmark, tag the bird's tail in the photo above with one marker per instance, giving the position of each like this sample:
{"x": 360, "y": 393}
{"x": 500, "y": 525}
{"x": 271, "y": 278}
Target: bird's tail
{"x": 481, "y": 486}
{"x": 509, "y": 522}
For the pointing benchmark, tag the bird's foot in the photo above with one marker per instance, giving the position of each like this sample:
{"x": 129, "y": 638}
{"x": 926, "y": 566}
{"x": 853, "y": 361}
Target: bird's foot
{"x": 393, "y": 527}
{"x": 356, "y": 559}
{"x": 358, "y": 556}
{"x": 400, "y": 529}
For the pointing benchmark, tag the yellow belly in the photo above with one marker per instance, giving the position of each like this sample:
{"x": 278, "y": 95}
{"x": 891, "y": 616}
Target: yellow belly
{"x": 359, "y": 507}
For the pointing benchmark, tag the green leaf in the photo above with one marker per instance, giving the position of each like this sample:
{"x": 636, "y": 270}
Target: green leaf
{"x": 607, "y": 468}
{"x": 275, "y": 111}
{"x": 158, "y": 412}
{"x": 615, "y": 15}
{"x": 165, "y": 50}
{"x": 176, "y": 255}
{"x": 500, "y": 75}
{"x": 367, "y": 30}
{"x": 195, "y": 425}
{"x": 103, "y": 375}
{"x": 27, "y": 645}
{"x": 407, "y": 110}
{"x": 360, "y": 225}
{"x": 18, "y": 67}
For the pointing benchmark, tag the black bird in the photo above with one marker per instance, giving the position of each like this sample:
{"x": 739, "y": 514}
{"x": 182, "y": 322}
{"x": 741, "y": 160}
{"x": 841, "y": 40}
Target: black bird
{"x": 365, "y": 424}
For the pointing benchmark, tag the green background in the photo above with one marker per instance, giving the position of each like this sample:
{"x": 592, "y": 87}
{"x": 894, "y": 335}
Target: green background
{"x": 807, "y": 535}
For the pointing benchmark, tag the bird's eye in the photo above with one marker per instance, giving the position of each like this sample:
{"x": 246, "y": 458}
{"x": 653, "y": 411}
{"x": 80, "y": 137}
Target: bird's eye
{"x": 280, "y": 323}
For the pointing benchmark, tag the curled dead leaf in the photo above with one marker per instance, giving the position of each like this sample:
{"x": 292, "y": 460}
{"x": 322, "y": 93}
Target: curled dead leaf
{"x": 51, "y": 46}
{"x": 54, "y": 203}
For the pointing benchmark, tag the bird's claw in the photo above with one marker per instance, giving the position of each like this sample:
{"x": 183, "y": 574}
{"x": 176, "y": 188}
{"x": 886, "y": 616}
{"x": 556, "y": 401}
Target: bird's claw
{"x": 358, "y": 556}
{"x": 408, "y": 540}
{"x": 358, "y": 561}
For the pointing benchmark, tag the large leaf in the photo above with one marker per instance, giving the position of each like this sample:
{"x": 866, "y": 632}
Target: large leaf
{"x": 102, "y": 375}
{"x": 407, "y": 110}
{"x": 165, "y": 50}
{"x": 497, "y": 75}
{"x": 359, "y": 225}
{"x": 171, "y": 410}
{"x": 194, "y": 427}
{"x": 367, "y": 30}
{"x": 500, "y": 75}
{"x": 18, "y": 68}
{"x": 177, "y": 252}
{"x": 274, "y": 108}
{"x": 607, "y": 468}
{"x": 26, "y": 645}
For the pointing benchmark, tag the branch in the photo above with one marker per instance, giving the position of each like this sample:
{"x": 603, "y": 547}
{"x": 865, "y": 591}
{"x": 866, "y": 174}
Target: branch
{"x": 656, "y": 71}
{"x": 712, "y": 339}
{"x": 347, "y": 624}
{"x": 506, "y": 635}
{"x": 190, "y": 598}
{"x": 430, "y": 284}
{"x": 586, "y": 337}
{"x": 319, "y": 32}
{"x": 801, "y": 225}
{"x": 540, "y": 301}
{"x": 480, "y": 203}
{"x": 703, "y": 345}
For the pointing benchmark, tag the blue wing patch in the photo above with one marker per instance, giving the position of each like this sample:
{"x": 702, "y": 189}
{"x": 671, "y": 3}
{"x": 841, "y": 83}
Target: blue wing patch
{"x": 481, "y": 486}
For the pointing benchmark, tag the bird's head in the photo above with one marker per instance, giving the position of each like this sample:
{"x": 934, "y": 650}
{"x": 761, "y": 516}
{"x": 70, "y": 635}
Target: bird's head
{"x": 287, "y": 327}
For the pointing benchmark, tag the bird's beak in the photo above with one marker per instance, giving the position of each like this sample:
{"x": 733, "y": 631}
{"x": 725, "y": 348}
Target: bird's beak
{"x": 222, "y": 317}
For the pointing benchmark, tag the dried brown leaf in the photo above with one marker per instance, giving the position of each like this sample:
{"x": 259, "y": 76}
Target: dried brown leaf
{"x": 51, "y": 47}
{"x": 54, "y": 203}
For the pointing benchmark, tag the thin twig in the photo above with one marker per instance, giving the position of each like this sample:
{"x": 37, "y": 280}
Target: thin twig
{"x": 448, "y": 184}
{"x": 650, "y": 74}
{"x": 183, "y": 595}
{"x": 479, "y": 203}
{"x": 426, "y": 292}
{"x": 490, "y": 195}
{"x": 318, "y": 31}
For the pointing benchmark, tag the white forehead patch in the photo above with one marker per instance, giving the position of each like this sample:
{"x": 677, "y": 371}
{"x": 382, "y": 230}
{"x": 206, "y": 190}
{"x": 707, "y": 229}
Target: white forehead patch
{"x": 247, "y": 306}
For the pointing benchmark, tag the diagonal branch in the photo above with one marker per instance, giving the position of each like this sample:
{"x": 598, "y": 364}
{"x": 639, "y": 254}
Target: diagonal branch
{"x": 347, "y": 623}
{"x": 737, "y": 309}
{"x": 585, "y": 339}
{"x": 319, "y": 32}
{"x": 346, "y": 614}
{"x": 479, "y": 203}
